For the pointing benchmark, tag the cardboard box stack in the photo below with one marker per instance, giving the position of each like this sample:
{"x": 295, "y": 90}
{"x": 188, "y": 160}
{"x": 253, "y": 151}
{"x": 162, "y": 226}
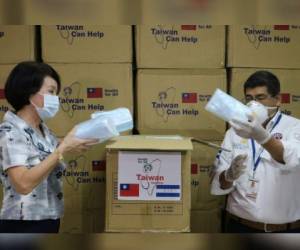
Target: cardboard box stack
{"x": 17, "y": 43}
{"x": 179, "y": 68}
{"x": 95, "y": 65}
{"x": 5, "y": 69}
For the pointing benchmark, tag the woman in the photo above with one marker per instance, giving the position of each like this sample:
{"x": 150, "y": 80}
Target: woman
{"x": 31, "y": 164}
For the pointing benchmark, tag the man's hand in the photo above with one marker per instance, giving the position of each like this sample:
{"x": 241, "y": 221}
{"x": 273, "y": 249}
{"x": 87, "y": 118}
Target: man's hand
{"x": 251, "y": 129}
{"x": 236, "y": 169}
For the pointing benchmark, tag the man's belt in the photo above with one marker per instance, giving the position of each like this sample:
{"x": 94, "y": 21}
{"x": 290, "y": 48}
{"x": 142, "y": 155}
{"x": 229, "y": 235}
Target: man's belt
{"x": 264, "y": 226}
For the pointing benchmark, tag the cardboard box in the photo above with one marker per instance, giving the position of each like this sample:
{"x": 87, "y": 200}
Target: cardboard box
{"x": 4, "y": 72}
{"x": 87, "y": 88}
{"x": 180, "y": 46}
{"x": 203, "y": 158}
{"x": 160, "y": 214}
{"x": 91, "y": 221}
{"x": 290, "y": 90}
{"x": 173, "y": 101}
{"x": 87, "y": 44}
{"x": 206, "y": 221}
{"x": 17, "y": 43}
{"x": 271, "y": 46}
{"x": 84, "y": 191}
{"x": 84, "y": 180}
{"x": 71, "y": 223}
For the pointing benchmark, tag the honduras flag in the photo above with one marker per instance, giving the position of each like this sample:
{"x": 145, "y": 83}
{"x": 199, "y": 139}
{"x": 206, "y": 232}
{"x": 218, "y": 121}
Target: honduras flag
{"x": 168, "y": 191}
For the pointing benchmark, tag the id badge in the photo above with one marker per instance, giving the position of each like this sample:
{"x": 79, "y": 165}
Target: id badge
{"x": 252, "y": 188}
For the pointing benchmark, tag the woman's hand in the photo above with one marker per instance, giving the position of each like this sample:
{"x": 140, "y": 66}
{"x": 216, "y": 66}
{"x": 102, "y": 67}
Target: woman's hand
{"x": 73, "y": 144}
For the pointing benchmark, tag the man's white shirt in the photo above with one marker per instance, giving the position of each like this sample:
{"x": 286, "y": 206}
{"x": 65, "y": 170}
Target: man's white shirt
{"x": 278, "y": 195}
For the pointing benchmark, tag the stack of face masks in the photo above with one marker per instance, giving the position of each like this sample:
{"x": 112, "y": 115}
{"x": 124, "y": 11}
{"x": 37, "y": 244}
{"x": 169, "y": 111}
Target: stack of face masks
{"x": 227, "y": 108}
{"x": 105, "y": 125}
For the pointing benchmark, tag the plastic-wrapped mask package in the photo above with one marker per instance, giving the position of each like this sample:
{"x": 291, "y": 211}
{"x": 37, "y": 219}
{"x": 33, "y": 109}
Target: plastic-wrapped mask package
{"x": 121, "y": 118}
{"x": 226, "y": 107}
{"x": 98, "y": 128}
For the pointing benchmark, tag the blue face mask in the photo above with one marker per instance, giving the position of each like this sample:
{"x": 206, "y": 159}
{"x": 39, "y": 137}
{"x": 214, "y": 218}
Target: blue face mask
{"x": 51, "y": 106}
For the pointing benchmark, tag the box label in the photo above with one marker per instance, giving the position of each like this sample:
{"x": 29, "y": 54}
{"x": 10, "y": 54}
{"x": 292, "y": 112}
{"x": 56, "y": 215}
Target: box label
{"x": 149, "y": 176}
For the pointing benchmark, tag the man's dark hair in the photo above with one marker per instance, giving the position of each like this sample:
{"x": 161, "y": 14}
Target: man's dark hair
{"x": 26, "y": 79}
{"x": 263, "y": 78}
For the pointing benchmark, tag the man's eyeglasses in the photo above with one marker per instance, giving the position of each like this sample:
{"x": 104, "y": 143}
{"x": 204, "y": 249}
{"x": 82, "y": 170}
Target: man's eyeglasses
{"x": 260, "y": 97}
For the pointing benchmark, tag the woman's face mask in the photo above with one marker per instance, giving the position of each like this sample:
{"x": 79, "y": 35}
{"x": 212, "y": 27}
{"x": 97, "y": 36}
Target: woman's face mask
{"x": 51, "y": 106}
{"x": 260, "y": 111}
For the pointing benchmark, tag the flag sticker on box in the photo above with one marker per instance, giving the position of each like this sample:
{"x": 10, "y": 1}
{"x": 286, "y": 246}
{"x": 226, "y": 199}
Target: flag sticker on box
{"x": 281, "y": 27}
{"x": 285, "y": 98}
{"x": 129, "y": 190}
{"x": 189, "y": 98}
{"x": 167, "y": 191}
{"x": 188, "y": 27}
{"x": 94, "y": 93}
{"x": 98, "y": 165}
{"x": 149, "y": 176}
{"x": 2, "y": 94}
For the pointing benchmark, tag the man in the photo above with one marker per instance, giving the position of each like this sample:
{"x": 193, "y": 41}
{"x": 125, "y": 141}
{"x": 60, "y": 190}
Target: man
{"x": 261, "y": 174}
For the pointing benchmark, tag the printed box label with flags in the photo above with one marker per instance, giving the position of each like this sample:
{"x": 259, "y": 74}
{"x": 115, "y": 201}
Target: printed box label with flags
{"x": 149, "y": 176}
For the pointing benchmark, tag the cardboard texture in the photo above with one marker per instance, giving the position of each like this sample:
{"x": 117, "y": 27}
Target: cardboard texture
{"x": 173, "y": 101}
{"x": 4, "y": 72}
{"x": 91, "y": 221}
{"x": 84, "y": 191}
{"x": 87, "y": 44}
{"x": 180, "y": 46}
{"x": 206, "y": 221}
{"x": 17, "y": 43}
{"x": 203, "y": 158}
{"x": 87, "y": 88}
{"x": 259, "y": 46}
{"x": 147, "y": 216}
{"x": 290, "y": 90}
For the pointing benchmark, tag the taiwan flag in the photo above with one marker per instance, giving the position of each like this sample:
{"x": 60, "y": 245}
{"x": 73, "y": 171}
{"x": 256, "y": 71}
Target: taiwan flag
{"x": 98, "y": 165}
{"x": 281, "y": 27}
{"x": 94, "y": 93}
{"x": 2, "y": 94}
{"x": 194, "y": 168}
{"x": 189, "y": 97}
{"x": 188, "y": 27}
{"x": 285, "y": 98}
{"x": 129, "y": 190}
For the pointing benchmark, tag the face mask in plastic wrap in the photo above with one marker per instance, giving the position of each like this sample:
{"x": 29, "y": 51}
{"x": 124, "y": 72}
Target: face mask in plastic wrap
{"x": 120, "y": 117}
{"x": 227, "y": 108}
{"x": 97, "y": 128}
{"x": 260, "y": 110}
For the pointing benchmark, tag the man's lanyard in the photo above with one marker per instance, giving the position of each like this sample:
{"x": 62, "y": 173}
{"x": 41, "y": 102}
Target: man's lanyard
{"x": 256, "y": 162}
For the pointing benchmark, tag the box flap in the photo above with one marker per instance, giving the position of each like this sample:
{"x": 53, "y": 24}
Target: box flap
{"x": 152, "y": 142}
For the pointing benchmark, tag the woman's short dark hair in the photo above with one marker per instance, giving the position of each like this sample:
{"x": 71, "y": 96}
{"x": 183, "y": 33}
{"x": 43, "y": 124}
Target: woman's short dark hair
{"x": 263, "y": 78}
{"x": 26, "y": 79}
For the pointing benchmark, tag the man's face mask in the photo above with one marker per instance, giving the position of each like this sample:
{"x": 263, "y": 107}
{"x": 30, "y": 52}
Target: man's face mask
{"x": 51, "y": 106}
{"x": 261, "y": 111}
